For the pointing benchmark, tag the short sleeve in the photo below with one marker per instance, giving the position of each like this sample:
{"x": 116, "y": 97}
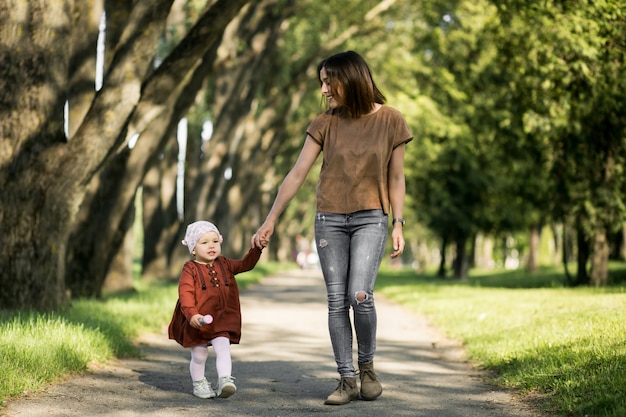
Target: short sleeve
{"x": 318, "y": 128}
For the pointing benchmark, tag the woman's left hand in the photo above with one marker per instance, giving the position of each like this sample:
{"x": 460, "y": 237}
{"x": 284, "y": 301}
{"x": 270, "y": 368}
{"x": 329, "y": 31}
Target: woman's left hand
{"x": 397, "y": 240}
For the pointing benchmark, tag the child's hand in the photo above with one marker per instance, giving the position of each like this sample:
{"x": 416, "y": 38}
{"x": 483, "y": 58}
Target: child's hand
{"x": 258, "y": 242}
{"x": 262, "y": 237}
{"x": 195, "y": 321}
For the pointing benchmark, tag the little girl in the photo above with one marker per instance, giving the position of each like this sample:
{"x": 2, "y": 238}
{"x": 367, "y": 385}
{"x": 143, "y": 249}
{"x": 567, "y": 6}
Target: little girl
{"x": 207, "y": 286}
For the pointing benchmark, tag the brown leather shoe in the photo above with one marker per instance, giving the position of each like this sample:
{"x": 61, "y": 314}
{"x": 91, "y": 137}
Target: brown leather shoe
{"x": 346, "y": 391}
{"x": 370, "y": 385}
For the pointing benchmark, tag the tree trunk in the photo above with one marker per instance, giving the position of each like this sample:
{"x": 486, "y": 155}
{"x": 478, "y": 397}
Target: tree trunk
{"x": 43, "y": 179}
{"x": 34, "y": 219}
{"x": 162, "y": 229}
{"x": 100, "y": 231}
{"x": 622, "y": 250}
{"x": 471, "y": 257}
{"x": 582, "y": 277}
{"x": 164, "y": 254}
{"x": 82, "y": 70}
{"x": 120, "y": 276}
{"x": 533, "y": 249}
{"x": 97, "y": 236}
{"x": 600, "y": 260}
{"x": 484, "y": 251}
{"x": 558, "y": 234}
{"x": 441, "y": 272}
{"x": 460, "y": 261}
{"x": 565, "y": 252}
{"x": 236, "y": 147}
{"x": 96, "y": 248}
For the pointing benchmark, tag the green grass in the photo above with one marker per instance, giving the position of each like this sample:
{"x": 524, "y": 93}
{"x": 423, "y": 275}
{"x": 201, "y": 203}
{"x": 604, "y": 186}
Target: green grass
{"x": 37, "y": 348}
{"x": 565, "y": 346}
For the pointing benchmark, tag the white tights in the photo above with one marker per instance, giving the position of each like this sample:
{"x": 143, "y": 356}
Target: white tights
{"x": 200, "y": 354}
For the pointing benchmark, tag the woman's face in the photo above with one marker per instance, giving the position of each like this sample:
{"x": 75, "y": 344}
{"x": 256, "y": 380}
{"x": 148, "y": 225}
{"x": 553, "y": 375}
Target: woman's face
{"x": 333, "y": 97}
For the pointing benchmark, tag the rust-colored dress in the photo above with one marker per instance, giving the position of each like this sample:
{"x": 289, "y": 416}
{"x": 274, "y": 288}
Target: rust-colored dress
{"x": 212, "y": 289}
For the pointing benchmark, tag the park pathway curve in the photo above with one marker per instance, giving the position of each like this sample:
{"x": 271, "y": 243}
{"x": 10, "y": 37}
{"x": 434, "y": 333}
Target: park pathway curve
{"x": 284, "y": 367}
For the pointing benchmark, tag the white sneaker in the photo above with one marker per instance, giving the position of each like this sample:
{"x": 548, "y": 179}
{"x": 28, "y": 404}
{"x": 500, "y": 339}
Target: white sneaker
{"x": 226, "y": 387}
{"x": 202, "y": 389}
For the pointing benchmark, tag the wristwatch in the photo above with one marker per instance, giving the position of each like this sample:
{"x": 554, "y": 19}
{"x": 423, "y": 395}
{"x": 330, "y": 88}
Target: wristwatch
{"x": 397, "y": 220}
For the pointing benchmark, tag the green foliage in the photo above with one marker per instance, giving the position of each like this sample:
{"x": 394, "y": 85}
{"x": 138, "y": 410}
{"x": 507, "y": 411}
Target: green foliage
{"x": 566, "y": 60}
{"x": 565, "y": 346}
{"x": 528, "y": 95}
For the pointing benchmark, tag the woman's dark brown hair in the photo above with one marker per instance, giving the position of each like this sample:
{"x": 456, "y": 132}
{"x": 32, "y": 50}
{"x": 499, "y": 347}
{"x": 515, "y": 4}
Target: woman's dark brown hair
{"x": 349, "y": 73}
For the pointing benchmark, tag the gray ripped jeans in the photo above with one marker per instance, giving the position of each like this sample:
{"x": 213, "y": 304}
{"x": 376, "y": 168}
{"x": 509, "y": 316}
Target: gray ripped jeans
{"x": 351, "y": 248}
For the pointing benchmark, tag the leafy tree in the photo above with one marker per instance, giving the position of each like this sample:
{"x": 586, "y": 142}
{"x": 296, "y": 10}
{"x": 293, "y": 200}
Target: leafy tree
{"x": 569, "y": 59}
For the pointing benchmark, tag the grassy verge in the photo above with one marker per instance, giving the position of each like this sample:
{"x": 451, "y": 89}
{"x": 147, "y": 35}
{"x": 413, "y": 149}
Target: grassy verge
{"x": 566, "y": 346}
{"x": 39, "y": 348}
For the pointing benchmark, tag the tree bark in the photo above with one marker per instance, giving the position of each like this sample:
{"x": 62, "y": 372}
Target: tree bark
{"x": 85, "y": 30}
{"x": 599, "y": 275}
{"x": 441, "y": 272}
{"x": 33, "y": 222}
{"x": 162, "y": 229}
{"x": 237, "y": 144}
{"x": 460, "y": 264}
{"x": 565, "y": 252}
{"x": 170, "y": 100}
{"x": 582, "y": 276}
{"x": 622, "y": 250}
{"x": 44, "y": 178}
{"x": 533, "y": 249}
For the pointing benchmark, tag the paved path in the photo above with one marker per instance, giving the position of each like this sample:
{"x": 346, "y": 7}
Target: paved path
{"x": 284, "y": 367}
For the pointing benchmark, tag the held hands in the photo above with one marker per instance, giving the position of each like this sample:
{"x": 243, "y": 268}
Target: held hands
{"x": 262, "y": 237}
{"x": 398, "y": 242}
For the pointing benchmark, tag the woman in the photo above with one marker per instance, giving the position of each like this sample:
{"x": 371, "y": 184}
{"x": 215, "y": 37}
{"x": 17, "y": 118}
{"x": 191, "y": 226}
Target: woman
{"x": 362, "y": 176}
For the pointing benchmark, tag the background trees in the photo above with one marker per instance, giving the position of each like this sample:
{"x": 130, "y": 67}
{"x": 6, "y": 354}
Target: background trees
{"x": 517, "y": 111}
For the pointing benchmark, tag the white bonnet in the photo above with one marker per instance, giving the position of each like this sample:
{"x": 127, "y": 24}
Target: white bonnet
{"x": 196, "y": 230}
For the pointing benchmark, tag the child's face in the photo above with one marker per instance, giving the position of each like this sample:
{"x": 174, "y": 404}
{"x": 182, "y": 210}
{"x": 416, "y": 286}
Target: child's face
{"x": 208, "y": 248}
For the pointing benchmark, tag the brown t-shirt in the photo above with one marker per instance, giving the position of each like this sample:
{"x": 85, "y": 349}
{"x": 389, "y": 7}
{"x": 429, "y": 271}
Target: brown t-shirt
{"x": 356, "y": 160}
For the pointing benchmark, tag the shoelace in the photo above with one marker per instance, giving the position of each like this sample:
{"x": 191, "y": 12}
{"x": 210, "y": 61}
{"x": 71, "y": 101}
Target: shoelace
{"x": 368, "y": 373}
{"x": 343, "y": 385}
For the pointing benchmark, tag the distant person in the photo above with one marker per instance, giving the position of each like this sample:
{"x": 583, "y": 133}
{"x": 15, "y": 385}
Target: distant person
{"x": 209, "y": 313}
{"x": 302, "y": 252}
{"x": 361, "y": 178}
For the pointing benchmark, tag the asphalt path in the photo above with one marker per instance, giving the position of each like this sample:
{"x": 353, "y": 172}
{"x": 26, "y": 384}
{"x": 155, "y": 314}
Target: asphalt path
{"x": 284, "y": 367}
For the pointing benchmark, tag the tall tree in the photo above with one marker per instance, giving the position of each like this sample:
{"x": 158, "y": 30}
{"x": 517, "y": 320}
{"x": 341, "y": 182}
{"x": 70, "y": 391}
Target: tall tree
{"x": 44, "y": 177}
{"x": 574, "y": 79}
{"x": 167, "y": 92}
